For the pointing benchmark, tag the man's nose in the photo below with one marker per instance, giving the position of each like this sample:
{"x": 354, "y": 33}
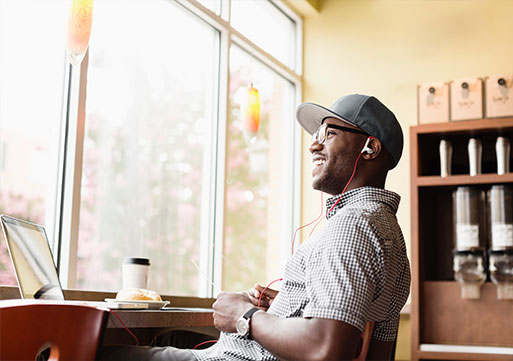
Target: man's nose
{"x": 315, "y": 146}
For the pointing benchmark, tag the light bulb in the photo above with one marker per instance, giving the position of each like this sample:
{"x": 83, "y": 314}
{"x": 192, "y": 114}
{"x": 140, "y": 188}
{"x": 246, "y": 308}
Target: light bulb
{"x": 79, "y": 29}
{"x": 251, "y": 113}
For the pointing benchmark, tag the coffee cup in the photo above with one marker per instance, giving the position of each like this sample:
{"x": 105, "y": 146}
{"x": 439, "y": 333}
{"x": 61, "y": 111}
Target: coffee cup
{"x": 135, "y": 272}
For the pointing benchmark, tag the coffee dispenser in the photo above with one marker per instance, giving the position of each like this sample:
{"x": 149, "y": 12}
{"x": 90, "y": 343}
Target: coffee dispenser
{"x": 501, "y": 240}
{"x": 469, "y": 254}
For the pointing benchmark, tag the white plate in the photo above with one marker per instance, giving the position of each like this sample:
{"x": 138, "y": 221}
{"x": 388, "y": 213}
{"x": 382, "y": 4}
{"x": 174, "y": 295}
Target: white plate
{"x": 152, "y": 305}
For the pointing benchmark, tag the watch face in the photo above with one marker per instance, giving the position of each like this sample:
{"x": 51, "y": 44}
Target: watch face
{"x": 242, "y": 326}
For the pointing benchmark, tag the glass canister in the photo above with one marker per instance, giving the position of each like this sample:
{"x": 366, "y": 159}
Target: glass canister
{"x": 468, "y": 217}
{"x": 469, "y": 257}
{"x": 501, "y": 241}
{"x": 500, "y": 199}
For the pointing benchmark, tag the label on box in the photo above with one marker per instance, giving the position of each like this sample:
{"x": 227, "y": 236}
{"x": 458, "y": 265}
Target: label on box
{"x": 466, "y": 99}
{"x": 433, "y": 103}
{"x": 502, "y": 235}
{"x": 467, "y": 236}
{"x": 499, "y": 96}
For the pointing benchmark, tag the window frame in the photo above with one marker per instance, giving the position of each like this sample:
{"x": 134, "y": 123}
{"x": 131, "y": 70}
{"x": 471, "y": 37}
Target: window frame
{"x": 67, "y": 213}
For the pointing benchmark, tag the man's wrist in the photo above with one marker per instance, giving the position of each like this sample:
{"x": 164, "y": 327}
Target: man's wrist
{"x": 243, "y": 324}
{"x": 252, "y": 323}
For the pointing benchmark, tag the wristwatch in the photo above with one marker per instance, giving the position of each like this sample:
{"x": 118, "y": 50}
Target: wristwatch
{"x": 242, "y": 324}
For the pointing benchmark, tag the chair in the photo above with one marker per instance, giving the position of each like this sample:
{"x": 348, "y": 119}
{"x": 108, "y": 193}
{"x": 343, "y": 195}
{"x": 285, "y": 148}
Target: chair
{"x": 71, "y": 332}
{"x": 392, "y": 354}
{"x": 365, "y": 340}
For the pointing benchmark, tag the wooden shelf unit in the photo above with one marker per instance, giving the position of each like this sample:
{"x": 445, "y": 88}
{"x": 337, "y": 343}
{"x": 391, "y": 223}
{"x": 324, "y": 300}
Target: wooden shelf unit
{"x": 438, "y": 314}
{"x": 461, "y": 180}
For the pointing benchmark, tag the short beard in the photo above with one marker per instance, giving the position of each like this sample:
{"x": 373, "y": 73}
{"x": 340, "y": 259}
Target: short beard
{"x": 331, "y": 185}
{"x": 328, "y": 186}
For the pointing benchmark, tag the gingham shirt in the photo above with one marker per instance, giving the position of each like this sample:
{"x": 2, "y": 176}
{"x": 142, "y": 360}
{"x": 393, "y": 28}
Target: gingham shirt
{"x": 353, "y": 270}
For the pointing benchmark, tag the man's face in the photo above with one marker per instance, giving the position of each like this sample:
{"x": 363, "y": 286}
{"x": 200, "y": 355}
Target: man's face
{"x": 334, "y": 159}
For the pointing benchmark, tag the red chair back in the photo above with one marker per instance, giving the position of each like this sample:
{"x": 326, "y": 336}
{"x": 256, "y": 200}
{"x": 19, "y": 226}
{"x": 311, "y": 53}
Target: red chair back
{"x": 365, "y": 341}
{"x": 73, "y": 332}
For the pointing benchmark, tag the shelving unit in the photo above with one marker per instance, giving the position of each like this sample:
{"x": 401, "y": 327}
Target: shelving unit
{"x": 441, "y": 321}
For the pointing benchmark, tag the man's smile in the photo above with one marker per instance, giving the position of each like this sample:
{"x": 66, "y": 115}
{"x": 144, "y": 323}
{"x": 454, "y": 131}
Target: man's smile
{"x": 318, "y": 161}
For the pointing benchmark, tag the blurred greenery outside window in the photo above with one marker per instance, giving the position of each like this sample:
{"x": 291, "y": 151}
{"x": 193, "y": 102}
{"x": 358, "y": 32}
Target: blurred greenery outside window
{"x": 32, "y": 71}
{"x": 166, "y": 170}
{"x": 255, "y": 206}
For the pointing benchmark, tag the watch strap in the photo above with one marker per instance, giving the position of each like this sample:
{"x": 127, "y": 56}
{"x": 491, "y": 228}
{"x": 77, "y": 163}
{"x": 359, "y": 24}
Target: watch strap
{"x": 247, "y": 316}
{"x": 250, "y": 313}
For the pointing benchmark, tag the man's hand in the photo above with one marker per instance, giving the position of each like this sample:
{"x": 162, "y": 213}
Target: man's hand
{"x": 267, "y": 298}
{"x": 228, "y": 308}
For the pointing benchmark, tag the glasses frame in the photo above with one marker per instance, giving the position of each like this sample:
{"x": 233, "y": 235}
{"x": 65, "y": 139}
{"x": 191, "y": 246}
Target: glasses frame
{"x": 323, "y": 129}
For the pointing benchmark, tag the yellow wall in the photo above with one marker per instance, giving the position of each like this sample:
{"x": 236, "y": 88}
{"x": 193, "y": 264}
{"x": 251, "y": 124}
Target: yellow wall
{"x": 385, "y": 48}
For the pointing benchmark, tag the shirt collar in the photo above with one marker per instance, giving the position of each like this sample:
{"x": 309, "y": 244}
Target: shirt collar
{"x": 363, "y": 194}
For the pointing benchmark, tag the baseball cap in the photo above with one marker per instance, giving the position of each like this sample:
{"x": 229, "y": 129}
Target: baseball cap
{"x": 363, "y": 111}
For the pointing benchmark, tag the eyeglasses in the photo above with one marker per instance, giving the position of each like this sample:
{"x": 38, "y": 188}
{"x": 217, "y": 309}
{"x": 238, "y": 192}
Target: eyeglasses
{"x": 322, "y": 133}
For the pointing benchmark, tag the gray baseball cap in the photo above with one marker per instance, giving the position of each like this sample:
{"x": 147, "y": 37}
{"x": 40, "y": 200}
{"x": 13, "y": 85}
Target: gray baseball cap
{"x": 363, "y": 111}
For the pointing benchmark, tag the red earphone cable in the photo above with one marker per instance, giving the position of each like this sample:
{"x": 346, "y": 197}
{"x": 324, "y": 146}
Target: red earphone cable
{"x": 338, "y": 200}
{"x": 126, "y": 328}
{"x": 266, "y": 287}
{"x": 318, "y": 220}
{"x": 347, "y": 185}
{"x": 276, "y": 280}
{"x": 306, "y": 225}
{"x": 199, "y": 344}
{"x": 137, "y": 340}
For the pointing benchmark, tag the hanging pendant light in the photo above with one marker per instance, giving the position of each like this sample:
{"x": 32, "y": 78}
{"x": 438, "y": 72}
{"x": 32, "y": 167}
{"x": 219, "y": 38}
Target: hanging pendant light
{"x": 80, "y": 21}
{"x": 251, "y": 113}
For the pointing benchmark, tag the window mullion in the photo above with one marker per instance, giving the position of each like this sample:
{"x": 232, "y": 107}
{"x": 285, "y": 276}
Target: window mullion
{"x": 209, "y": 191}
{"x": 53, "y": 208}
{"x": 218, "y": 232}
{"x": 297, "y": 146}
{"x": 241, "y": 40}
{"x": 72, "y": 177}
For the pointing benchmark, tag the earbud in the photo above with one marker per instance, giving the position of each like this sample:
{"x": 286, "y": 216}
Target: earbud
{"x": 366, "y": 148}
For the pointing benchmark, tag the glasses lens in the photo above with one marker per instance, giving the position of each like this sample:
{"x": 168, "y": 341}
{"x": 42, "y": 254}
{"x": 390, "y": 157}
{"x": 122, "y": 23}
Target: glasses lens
{"x": 316, "y": 136}
{"x": 321, "y": 134}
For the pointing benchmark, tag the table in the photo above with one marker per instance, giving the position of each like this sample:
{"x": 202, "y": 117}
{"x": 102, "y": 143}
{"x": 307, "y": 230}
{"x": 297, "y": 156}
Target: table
{"x": 146, "y": 324}
{"x": 171, "y": 317}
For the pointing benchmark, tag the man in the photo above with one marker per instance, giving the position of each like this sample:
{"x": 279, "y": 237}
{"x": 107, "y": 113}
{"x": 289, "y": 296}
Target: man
{"x": 352, "y": 271}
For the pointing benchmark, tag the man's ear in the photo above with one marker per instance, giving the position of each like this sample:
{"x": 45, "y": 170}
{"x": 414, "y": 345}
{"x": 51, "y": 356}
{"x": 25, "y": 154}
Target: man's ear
{"x": 374, "y": 145}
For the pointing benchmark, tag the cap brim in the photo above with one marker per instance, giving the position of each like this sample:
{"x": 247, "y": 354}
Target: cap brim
{"x": 310, "y": 116}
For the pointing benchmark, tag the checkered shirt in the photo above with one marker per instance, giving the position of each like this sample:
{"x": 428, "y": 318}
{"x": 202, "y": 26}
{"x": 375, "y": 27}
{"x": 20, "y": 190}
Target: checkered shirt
{"x": 353, "y": 270}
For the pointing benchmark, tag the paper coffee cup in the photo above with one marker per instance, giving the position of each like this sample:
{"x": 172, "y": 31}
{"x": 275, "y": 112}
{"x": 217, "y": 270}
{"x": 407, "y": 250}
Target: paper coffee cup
{"x": 135, "y": 272}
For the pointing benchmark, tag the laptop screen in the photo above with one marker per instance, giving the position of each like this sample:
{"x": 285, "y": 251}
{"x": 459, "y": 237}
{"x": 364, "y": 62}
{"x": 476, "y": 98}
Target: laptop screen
{"x": 32, "y": 259}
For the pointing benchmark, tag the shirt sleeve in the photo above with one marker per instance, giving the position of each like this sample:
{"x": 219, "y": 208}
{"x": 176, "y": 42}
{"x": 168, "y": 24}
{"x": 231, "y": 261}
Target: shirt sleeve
{"x": 386, "y": 330}
{"x": 343, "y": 271}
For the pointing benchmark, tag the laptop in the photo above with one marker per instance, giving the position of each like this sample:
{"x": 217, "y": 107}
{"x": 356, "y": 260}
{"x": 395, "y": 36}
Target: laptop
{"x": 34, "y": 265}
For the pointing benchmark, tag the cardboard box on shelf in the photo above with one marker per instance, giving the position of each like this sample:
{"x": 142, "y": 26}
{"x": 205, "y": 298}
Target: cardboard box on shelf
{"x": 499, "y": 96}
{"x": 433, "y": 103}
{"x": 466, "y": 99}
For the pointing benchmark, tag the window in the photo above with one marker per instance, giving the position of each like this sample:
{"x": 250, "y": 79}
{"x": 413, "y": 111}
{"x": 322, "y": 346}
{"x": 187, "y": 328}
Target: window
{"x": 213, "y": 5}
{"x": 149, "y": 118}
{"x": 256, "y": 179}
{"x": 156, "y": 164}
{"x": 32, "y": 70}
{"x": 267, "y": 26}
